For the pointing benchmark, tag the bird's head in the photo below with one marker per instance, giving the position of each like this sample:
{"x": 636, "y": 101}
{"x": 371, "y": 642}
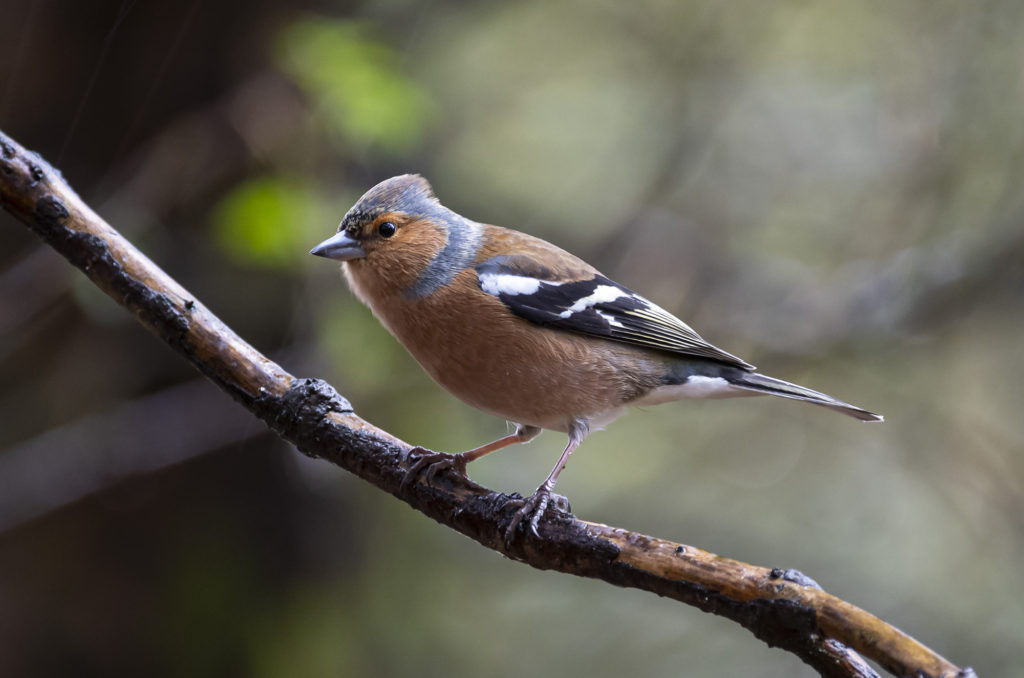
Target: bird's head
{"x": 400, "y": 236}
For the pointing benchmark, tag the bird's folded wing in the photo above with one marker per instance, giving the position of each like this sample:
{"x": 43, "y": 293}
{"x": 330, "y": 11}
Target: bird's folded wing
{"x": 593, "y": 305}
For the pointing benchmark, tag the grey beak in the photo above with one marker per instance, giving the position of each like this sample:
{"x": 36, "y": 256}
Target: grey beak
{"x": 339, "y": 246}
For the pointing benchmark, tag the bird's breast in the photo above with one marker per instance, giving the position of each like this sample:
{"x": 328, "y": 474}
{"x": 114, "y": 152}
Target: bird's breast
{"x": 472, "y": 345}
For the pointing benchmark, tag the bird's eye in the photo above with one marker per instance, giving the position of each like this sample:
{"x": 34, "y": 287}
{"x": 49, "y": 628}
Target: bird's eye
{"x": 387, "y": 229}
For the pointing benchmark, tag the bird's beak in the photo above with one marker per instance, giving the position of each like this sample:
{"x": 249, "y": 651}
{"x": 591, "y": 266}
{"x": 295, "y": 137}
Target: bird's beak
{"x": 339, "y": 246}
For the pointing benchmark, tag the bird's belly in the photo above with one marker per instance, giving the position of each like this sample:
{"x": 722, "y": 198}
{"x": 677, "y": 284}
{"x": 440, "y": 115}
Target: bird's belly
{"x": 549, "y": 391}
{"x": 513, "y": 369}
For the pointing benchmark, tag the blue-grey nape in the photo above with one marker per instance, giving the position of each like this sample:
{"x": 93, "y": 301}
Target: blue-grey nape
{"x": 463, "y": 242}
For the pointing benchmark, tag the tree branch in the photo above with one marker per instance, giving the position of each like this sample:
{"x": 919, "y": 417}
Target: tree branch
{"x": 784, "y": 608}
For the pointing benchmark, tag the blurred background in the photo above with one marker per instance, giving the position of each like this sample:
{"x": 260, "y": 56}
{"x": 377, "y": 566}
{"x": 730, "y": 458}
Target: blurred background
{"x": 830, "y": 190}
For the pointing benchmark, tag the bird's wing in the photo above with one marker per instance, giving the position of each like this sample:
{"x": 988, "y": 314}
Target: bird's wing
{"x": 593, "y": 305}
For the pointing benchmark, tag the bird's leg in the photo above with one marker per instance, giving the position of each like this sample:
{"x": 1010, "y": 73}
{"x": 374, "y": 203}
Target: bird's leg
{"x": 533, "y": 507}
{"x": 432, "y": 462}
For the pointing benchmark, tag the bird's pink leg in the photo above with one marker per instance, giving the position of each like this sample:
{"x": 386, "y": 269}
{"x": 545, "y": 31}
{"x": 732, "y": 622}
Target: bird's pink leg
{"x": 533, "y": 507}
{"x": 432, "y": 462}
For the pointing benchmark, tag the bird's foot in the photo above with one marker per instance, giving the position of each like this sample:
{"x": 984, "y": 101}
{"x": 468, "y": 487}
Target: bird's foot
{"x": 533, "y": 508}
{"x": 429, "y": 463}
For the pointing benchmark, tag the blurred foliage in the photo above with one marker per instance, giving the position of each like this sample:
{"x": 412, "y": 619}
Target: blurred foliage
{"x": 265, "y": 220}
{"x": 828, "y": 189}
{"x": 354, "y": 84}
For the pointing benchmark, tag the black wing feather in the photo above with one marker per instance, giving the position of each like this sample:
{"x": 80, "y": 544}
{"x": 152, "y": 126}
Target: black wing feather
{"x": 595, "y": 306}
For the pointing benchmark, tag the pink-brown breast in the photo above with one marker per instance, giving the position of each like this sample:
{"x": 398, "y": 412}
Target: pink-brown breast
{"x": 474, "y": 347}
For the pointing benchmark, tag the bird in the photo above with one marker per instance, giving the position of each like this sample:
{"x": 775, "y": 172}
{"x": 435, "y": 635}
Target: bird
{"x": 522, "y": 329}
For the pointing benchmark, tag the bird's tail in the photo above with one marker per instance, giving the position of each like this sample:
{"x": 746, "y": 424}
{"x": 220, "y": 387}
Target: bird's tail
{"x": 752, "y": 381}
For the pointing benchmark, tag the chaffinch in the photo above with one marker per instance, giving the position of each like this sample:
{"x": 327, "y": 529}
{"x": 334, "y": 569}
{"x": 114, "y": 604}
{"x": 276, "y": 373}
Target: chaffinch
{"x": 520, "y": 328}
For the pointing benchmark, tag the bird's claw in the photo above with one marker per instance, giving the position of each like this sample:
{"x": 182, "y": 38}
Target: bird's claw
{"x": 429, "y": 463}
{"x": 533, "y": 507}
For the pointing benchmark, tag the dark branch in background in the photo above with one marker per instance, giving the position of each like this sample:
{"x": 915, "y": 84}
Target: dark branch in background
{"x": 781, "y": 607}
{"x": 72, "y": 461}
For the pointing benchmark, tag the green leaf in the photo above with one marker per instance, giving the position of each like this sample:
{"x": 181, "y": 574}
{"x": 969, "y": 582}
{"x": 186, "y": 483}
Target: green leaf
{"x": 353, "y": 83}
{"x": 266, "y": 222}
